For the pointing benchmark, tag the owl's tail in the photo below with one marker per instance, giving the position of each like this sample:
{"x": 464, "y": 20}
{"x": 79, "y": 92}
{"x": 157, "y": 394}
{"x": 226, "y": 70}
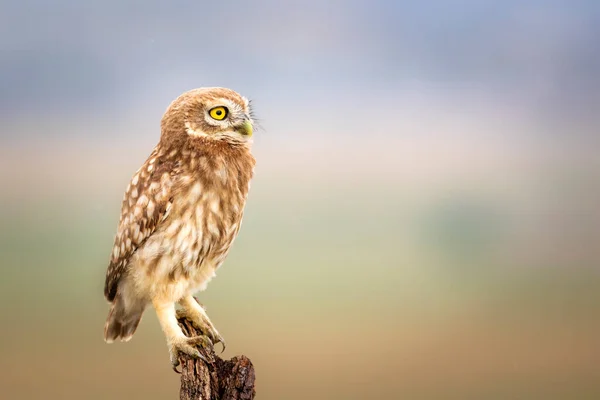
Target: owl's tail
{"x": 122, "y": 320}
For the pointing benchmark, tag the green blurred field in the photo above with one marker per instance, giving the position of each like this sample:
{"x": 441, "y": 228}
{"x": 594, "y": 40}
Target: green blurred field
{"x": 334, "y": 293}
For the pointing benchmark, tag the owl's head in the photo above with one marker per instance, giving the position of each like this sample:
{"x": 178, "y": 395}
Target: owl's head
{"x": 212, "y": 113}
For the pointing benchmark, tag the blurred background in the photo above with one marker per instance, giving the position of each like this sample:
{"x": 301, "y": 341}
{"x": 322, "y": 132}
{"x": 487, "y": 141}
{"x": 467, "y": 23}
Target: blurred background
{"x": 424, "y": 222}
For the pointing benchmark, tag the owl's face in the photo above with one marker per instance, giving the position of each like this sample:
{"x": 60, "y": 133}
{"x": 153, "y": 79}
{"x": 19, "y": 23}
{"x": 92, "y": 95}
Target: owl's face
{"x": 213, "y": 113}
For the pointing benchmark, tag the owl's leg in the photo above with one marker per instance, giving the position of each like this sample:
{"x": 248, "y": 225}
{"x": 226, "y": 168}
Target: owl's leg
{"x": 196, "y": 313}
{"x": 176, "y": 340}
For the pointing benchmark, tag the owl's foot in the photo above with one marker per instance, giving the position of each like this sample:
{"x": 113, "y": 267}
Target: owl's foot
{"x": 189, "y": 346}
{"x": 201, "y": 321}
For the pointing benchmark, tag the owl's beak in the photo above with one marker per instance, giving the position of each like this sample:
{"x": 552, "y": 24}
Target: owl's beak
{"x": 245, "y": 128}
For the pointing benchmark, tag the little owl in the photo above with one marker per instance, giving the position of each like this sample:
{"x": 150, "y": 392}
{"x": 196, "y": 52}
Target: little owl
{"x": 181, "y": 212}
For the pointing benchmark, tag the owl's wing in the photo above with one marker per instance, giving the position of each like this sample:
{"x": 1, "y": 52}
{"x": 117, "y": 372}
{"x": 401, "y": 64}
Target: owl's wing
{"x": 146, "y": 204}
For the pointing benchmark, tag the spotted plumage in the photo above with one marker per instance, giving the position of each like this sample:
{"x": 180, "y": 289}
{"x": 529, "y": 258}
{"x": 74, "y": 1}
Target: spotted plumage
{"x": 180, "y": 215}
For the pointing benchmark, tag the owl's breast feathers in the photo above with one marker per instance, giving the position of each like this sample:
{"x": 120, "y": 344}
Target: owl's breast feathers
{"x": 187, "y": 203}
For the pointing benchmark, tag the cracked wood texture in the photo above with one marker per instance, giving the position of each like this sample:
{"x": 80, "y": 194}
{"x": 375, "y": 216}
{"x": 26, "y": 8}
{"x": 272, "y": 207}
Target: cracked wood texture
{"x": 216, "y": 379}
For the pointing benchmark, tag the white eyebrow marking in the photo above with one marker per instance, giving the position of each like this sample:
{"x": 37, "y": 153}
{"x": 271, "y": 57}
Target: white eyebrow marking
{"x": 191, "y": 131}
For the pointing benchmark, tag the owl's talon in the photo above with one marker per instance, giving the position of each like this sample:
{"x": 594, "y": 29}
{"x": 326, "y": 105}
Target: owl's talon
{"x": 174, "y": 362}
{"x": 202, "y": 323}
{"x": 188, "y": 346}
{"x": 219, "y": 339}
{"x": 214, "y": 336}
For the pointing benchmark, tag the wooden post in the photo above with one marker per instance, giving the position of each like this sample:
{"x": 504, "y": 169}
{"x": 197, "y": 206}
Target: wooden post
{"x": 216, "y": 379}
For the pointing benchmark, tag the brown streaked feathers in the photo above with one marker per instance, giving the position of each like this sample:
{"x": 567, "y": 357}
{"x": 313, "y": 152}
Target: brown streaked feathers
{"x": 145, "y": 204}
{"x": 149, "y": 194}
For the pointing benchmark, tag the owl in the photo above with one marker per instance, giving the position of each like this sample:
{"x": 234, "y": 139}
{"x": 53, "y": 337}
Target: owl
{"x": 180, "y": 214}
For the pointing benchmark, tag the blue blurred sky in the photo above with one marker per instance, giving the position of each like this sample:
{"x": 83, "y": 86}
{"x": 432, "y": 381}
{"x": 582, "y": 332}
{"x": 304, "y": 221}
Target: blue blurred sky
{"x": 111, "y": 56}
{"x": 457, "y": 95}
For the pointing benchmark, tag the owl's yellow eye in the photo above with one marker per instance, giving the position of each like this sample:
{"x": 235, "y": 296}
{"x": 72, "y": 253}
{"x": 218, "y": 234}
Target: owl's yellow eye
{"x": 218, "y": 113}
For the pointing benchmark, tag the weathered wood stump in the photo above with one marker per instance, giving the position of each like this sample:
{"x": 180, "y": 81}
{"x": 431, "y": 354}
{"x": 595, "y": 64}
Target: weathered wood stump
{"x": 216, "y": 379}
